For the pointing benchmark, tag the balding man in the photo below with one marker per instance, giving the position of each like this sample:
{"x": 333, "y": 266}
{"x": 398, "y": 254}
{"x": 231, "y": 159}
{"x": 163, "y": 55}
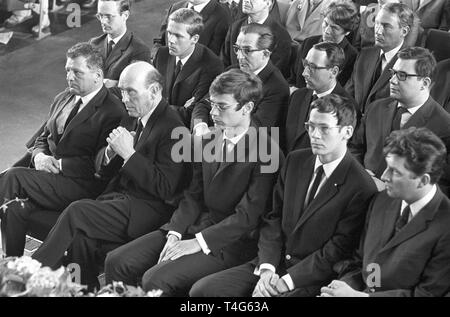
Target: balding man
{"x": 134, "y": 201}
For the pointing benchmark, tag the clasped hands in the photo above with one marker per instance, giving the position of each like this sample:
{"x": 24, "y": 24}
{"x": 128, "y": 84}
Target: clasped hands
{"x": 120, "y": 141}
{"x": 270, "y": 284}
{"x": 175, "y": 248}
{"x": 46, "y": 163}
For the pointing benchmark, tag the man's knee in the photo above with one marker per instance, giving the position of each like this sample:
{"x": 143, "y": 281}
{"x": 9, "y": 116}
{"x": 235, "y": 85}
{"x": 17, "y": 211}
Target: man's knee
{"x": 204, "y": 288}
{"x": 115, "y": 264}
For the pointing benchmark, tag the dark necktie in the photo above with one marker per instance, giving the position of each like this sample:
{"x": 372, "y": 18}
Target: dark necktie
{"x": 314, "y": 98}
{"x": 73, "y": 113}
{"x": 315, "y": 185}
{"x": 398, "y": 118}
{"x": 138, "y": 132}
{"x": 177, "y": 71}
{"x": 378, "y": 69}
{"x": 109, "y": 48}
{"x": 403, "y": 219}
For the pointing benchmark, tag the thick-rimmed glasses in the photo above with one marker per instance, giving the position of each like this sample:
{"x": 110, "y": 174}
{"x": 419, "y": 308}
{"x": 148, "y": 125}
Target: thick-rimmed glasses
{"x": 108, "y": 17}
{"x": 312, "y": 66}
{"x": 401, "y": 75}
{"x": 245, "y": 50}
{"x": 323, "y": 129}
{"x": 219, "y": 106}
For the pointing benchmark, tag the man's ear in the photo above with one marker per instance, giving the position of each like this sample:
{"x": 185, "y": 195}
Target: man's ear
{"x": 195, "y": 38}
{"x": 425, "y": 179}
{"x": 405, "y": 30}
{"x": 427, "y": 82}
{"x": 248, "y": 107}
{"x": 126, "y": 14}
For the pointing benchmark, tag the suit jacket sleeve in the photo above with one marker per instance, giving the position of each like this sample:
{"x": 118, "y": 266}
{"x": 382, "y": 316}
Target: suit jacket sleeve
{"x": 357, "y": 145}
{"x": 226, "y": 49}
{"x": 200, "y": 113}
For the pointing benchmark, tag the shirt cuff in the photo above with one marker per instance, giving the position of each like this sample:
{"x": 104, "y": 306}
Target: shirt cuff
{"x": 176, "y": 234}
{"x": 289, "y": 282}
{"x": 60, "y": 164}
{"x": 202, "y": 243}
{"x": 107, "y": 159}
{"x": 264, "y": 266}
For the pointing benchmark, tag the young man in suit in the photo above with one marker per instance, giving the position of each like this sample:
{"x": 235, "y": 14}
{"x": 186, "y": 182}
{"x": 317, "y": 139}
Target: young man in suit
{"x": 215, "y": 225}
{"x": 144, "y": 179}
{"x": 216, "y": 20}
{"x": 405, "y": 250}
{"x": 62, "y": 165}
{"x": 118, "y": 46}
{"x": 257, "y": 11}
{"x": 321, "y": 67}
{"x": 318, "y": 211}
{"x": 188, "y": 67}
{"x": 370, "y": 77}
{"x": 254, "y": 47}
{"x": 409, "y": 105}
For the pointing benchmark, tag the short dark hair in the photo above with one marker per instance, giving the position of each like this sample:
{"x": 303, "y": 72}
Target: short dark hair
{"x": 425, "y": 62}
{"x": 94, "y": 59}
{"x": 191, "y": 18}
{"x": 244, "y": 87}
{"x": 335, "y": 54}
{"x": 339, "y": 106}
{"x": 424, "y": 152}
{"x": 266, "y": 38}
{"x": 124, "y": 5}
{"x": 404, "y": 13}
{"x": 343, "y": 13}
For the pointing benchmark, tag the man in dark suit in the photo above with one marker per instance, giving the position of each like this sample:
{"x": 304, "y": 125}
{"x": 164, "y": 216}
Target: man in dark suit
{"x": 439, "y": 90}
{"x": 410, "y": 105}
{"x": 187, "y": 66}
{"x": 319, "y": 206}
{"x": 258, "y": 12}
{"x": 216, "y": 20}
{"x": 340, "y": 20}
{"x": 254, "y": 46}
{"x": 321, "y": 68}
{"x": 135, "y": 200}
{"x": 370, "y": 77}
{"x": 62, "y": 170}
{"x": 214, "y": 227}
{"x": 405, "y": 250}
{"x": 118, "y": 46}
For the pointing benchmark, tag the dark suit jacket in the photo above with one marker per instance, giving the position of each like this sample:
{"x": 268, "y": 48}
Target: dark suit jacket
{"x": 274, "y": 12}
{"x": 270, "y": 110}
{"x": 360, "y": 83}
{"x": 296, "y": 136}
{"x": 216, "y": 20}
{"x": 83, "y": 137}
{"x": 415, "y": 262}
{"x": 307, "y": 242}
{"x": 441, "y": 82}
{"x": 280, "y": 56}
{"x": 130, "y": 48}
{"x": 194, "y": 79}
{"x": 150, "y": 174}
{"x": 346, "y": 71}
{"x": 225, "y": 201}
{"x": 376, "y": 125}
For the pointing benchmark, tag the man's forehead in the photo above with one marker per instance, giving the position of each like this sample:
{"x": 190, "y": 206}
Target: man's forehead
{"x": 249, "y": 39}
{"x": 108, "y": 6}
{"x": 316, "y": 56}
{"x": 405, "y": 64}
{"x": 222, "y": 98}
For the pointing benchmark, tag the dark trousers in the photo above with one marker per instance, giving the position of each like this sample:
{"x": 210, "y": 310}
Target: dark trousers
{"x": 175, "y": 278}
{"x": 44, "y": 190}
{"x": 87, "y": 226}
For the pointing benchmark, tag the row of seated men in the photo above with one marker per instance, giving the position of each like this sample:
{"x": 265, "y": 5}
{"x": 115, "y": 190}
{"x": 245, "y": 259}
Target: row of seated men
{"x": 227, "y": 217}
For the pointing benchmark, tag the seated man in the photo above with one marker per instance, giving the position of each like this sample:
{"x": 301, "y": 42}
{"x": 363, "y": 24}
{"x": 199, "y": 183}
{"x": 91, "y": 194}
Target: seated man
{"x": 216, "y": 20}
{"x": 134, "y": 201}
{"x": 254, "y": 47}
{"x": 257, "y": 11}
{"x": 63, "y": 169}
{"x": 318, "y": 211}
{"x": 405, "y": 250}
{"x": 215, "y": 225}
{"x": 321, "y": 67}
{"x": 118, "y": 46}
{"x": 410, "y": 105}
{"x": 187, "y": 66}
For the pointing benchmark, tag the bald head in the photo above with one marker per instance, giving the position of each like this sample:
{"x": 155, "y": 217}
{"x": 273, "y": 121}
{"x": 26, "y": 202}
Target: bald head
{"x": 141, "y": 87}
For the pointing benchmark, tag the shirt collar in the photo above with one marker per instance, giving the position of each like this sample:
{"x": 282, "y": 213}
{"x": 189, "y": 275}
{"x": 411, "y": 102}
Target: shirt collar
{"x": 410, "y": 110}
{"x": 116, "y": 39}
{"x": 389, "y": 55}
{"x": 419, "y": 204}
{"x": 249, "y": 20}
{"x": 328, "y": 168}
{"x": 145, "y": 118}
{"x": 183, "y": 60}
{"x": 236, "y": 138}
{"x": 325, "y": 93}
{"x": 86, "y": 99}
{"x": 256, "y": 72}
{"x": 200, "y": 7}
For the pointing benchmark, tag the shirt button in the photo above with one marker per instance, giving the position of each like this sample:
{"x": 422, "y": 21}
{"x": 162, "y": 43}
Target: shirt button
{"x": 288, "y": 257}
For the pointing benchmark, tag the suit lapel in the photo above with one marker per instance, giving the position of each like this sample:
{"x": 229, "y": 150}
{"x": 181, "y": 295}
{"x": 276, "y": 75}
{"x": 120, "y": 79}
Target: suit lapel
{"x": 303, "y": 113}
{"x": 170, "y": 69}
{"x": 304, "y": 175}
{"x": 150, "y": 124}
{"x": 386, "y": 118}
{"x": 384, "y": 77}
{"x": 423, "y": 3}
{"x": 118, "y": 49}
{"x": 191, "y": 65}
{"x": 421, "y": 116}
{"x": 391, "y": 212}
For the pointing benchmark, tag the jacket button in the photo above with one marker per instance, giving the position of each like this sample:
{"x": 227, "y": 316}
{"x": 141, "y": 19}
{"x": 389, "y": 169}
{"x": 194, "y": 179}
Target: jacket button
{"x": 288, "y": 257}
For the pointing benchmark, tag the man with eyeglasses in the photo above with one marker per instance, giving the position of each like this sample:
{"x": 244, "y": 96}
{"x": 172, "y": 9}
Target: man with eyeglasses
{"x": 405, "y": 248}
{"x": 188, "y": 67}
{"x": 118, "y": 46}
{"x": 257, "y": 11}
{"x": 409, "y": 105}
{"x": 321, "y": 67}
{"x": 215, "y": 225}
{"x": 253, "y": 48}
{"x": 318, "y": 210}
{"x": 370, "y": 77}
